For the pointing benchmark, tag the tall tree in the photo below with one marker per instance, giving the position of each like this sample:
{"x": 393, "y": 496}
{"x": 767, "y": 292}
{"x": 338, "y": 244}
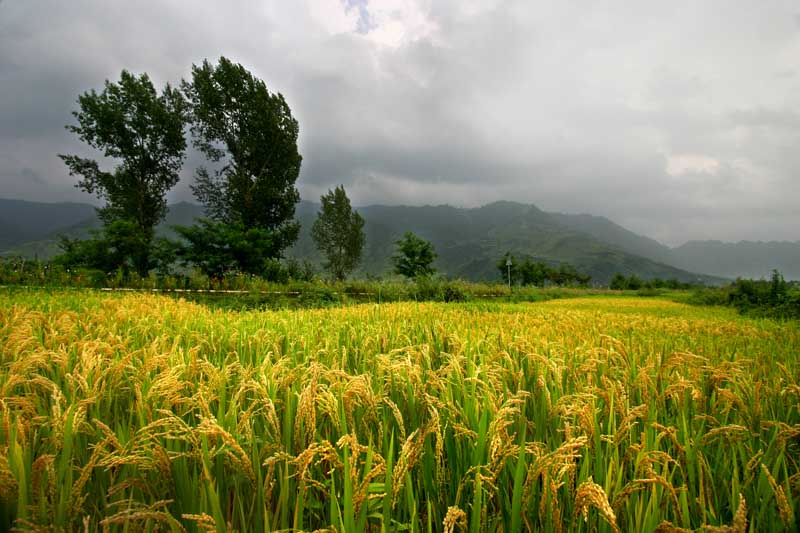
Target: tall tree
{"x": 414, "y": 257}
{"x": 130, "y": 123}
{"x": 251, "y": 137}
{"x": 338, "y": 233}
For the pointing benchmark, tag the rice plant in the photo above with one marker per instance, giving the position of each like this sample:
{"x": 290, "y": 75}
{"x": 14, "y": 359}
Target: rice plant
{"x": 142, "y": 412}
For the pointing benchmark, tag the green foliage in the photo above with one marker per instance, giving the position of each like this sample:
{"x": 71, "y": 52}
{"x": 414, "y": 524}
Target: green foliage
{"x": 143, "y": 133}
{"x": 119, "y": 246}
{"x": 774, "y": 298}
{"x": 566, "y": 274}
{"x": 709, "y": 296}
{"x": 252, "y": 137}
{"x": 292, "y": 285}
{"x": 509, "y": 271}
{"x": 618, "y": 283}
{"x": 634, "y": 283}
{"x": 338, "y": 233}
{"x": 216, "y": 248}
{"x": 414, "y": 257}
{"x": 536, "y": 273}
{"x": 452, "y": 292}
{"x": 298, "y": 270}
{"x": 163, "y": 255}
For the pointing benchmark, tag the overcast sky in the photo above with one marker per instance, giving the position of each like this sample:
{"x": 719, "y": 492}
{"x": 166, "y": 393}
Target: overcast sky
{"x": 677, "y": 119}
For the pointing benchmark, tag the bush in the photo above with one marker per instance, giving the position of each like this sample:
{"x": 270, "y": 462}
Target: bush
{"x": 453, "y": 293}
{"x": 649, "y": 292}
{"x": 709, "y": 296}
{"x": 774, "y": 298}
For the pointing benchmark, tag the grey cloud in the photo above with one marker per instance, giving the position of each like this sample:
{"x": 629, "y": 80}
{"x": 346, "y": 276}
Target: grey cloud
{"x": 767, "y": 117}
{"x": 33, "y": 176}
{"x": 573, "y": 107}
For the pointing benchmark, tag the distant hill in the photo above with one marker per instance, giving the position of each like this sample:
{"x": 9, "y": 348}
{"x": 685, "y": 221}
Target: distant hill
{"x": 469, "y": 241}
{"x": 745, "y": 259}
{"x": 22, "y": 221}
{"x": 609, "y": 232}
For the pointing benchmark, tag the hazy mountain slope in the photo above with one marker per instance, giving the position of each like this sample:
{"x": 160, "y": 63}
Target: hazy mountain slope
{"x": 22, "y": 221}
{"x": 468, "y": 241}
{"x": 46, "y": 245}
{"x": 742, "y": 259}
{"x": 609, "y": 232}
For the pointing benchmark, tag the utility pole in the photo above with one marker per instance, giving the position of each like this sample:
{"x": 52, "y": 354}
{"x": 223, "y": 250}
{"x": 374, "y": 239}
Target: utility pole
{"x": 508, "y": 265}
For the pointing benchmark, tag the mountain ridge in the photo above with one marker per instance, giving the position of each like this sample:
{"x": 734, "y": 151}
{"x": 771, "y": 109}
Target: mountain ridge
{"x": 469, "y": 240}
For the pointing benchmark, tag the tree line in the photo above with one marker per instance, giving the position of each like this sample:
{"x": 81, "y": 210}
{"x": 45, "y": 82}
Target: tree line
{"x": 248, "y": 137}
{"x": 246, "y": 185}
{"x": 620, "y": 282}
{"x": 527, "y": 272}
{"x": 773, "y": 298}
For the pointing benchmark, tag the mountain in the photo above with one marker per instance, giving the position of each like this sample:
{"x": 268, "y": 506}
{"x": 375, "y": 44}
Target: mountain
{"x": 22, "y": 221}
{"x": 609, "y": 232}
{"x": 469, "y": 241}
{"x": 745, "y": 259}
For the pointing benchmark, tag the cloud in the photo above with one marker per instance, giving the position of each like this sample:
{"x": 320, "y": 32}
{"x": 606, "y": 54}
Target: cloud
{"x": 681, "y": 164}
{"x": 665, "y": 117}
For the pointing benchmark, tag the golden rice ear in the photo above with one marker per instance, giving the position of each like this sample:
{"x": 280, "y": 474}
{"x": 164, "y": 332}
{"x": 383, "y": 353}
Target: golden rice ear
{"x": 668, "y": 527}
{"x": 590, "y": 494}
{"x": 455, "y": 518}
{"x": 780, "y": 498}
{"x": 740, "y": 518}
{"x": 409, "y": 455}
{"x": 398, "y": 416}
{"x": 8, "y": 483}
{"x": 203, "y": 521}
{"x": 143, "y": 513}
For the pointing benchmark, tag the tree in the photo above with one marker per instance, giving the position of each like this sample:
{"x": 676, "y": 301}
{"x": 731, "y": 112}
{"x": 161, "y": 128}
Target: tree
{"x": 143, "y": 131}
{"x": 252, "y": 137}
{"x": 503, "y": 268}
{"x": 634, "y": 282}
{"x": 534, "y": 273}
{"x": 618, "y": 283}
{"x": 566, "y": 274}
{"x": 216, "y": 249}
{"x": 414, "y": 257}
{"x": 108, "y": 250}
{"x": 338, "y": 233}
{"x": 778, "y": 288}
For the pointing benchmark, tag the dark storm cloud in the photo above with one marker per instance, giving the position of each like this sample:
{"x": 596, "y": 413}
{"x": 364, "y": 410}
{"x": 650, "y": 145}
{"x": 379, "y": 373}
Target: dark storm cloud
{"x": 677, "y": 119}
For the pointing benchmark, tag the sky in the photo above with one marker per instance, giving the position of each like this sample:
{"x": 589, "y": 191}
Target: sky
{"x": 679, "y": 120}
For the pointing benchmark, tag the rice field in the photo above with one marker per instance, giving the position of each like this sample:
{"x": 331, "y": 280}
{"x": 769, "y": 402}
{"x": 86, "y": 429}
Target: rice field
{"x": 144, "y": 413}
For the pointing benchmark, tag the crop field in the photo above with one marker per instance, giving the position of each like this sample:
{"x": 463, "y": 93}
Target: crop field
{"x": 143, "y": 413}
